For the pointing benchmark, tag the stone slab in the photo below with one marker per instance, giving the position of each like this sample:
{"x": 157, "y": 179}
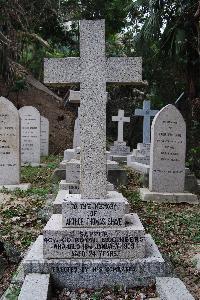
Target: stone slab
{"x": 186, "y": 197}
{"x": 143, "y": 146}
{"x": 119, "y": 158}
{"x": 35, "y": 287}
{"x": 9, "y": 143}
{"x": 93, "y": 213}
{"x": 104, "y": 243}
{"x": 139, "y": 167}
{"x": 143, "y": 160}
{"x": 13, "y": 187}
{"x": 44, "y": 136}
{"x": 119, "y": 149}
{"x": 141, "y": 153}
{"x": 30, "y": 135}
{"x": 170, "y": 288}
{"x": 96, "y": 273}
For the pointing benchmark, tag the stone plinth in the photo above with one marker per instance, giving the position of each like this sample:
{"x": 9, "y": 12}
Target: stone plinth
{"x": 110, "y": 212}
{"x": 74, "y": 187}
{"x": 186, "y": 197}
{"x": 98, "y": 242}
{"x": 96, "y": 273}
{"x": 140, "y": 155}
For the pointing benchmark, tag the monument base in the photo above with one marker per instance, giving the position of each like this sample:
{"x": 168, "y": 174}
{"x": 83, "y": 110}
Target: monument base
{"x": 96, "y": 273}
{"x": 118, "y": 158}
{"x": 148, "y": 196}
{"x": 13, "y": 187}
{"x": 74, "y": 187}
{"x": 139, "y": 167}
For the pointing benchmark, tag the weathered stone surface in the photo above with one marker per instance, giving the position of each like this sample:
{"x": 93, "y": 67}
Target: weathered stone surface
{"x": 119, "y": 149}
{"x": 13, "y": 187}
{"x": 9, "y": 143}
{"x": 93, "y": 70}
{"x": 142, "y": 160}
{"x": 44, "y": 136}
{"x": 121, "y": 242}
{"x": 74, "y": 187}
{"x": 35, "y": 287}
{"x": 30, "y": 135}
{"x": 186, "y": 197}
{"x": 57, "y": 204}
{"x": 168, "y": 146}
{"x": 172, "y": 289}
{"x": 147, "y": 113}
{"x": 76, "y": 139}
{"x": 74, "y": 97}
{"x": 73, "y": 171}
{"x": 96, "y": 273}
{"x": 94, "y": 213}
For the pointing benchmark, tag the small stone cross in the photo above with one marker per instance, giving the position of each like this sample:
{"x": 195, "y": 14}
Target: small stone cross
{"x": 93, "y": 70}
{"x": 121, "y": 120}
{"x": 147, "y": 113}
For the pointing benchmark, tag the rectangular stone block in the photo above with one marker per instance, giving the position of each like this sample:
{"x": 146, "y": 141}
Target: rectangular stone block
{"x": 123, "y": 242}
{"x": 35, "y": 287}
{"x": 119, "y": 149}
{"x": 73, "y": 188}
{"x": 93, "y": 213}
{"x": 96, "y": 273}
{"x": 143, "y": 146}
{"x": 141, "y": 153}
{"x": 172, "y": 289}
{"x": 73, "y": 171}
{"x": 143, "y": 159}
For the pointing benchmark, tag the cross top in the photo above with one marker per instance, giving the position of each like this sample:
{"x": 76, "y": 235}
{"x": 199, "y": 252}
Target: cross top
{"x": 121, "y": 120}
{"x": 93, "y": 70}
{"x": 147, "y": 113}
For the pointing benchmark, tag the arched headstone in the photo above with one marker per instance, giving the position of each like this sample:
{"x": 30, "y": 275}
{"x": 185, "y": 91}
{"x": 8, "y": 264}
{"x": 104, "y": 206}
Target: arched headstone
{"x": 9, "y": 143}
{"x": 167, "y": 153}
{"x": 30, "y": 135}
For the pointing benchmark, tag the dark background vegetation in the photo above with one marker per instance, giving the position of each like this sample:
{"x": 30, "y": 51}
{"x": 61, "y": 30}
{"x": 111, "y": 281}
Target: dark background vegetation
{"x": 165, "y": 33}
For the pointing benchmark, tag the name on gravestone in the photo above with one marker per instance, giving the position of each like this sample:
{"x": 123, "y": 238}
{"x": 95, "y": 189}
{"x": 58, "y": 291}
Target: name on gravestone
{"x": 167, "y": 153}
{"x": 9, "y": 143}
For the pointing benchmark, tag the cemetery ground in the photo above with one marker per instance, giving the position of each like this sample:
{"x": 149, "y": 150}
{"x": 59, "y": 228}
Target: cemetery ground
{"x": 174, "y": 227}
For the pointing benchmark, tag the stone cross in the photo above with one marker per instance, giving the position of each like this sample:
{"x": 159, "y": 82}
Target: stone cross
{"x": 93, "y": 70}
{"x": 147, "y": 113}
{"x": 121, "y": 120}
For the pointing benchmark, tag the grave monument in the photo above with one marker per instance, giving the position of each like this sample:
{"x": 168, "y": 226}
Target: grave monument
{"x": 94, "y": 242}
{"x": 10, "y": 147}
{"x": 167, "y": 159}
{"x": 140, "y": 157}
{"x": 120, "y": 151}
{"x": 30, "y": 135}
{"x": 44, "y": 136}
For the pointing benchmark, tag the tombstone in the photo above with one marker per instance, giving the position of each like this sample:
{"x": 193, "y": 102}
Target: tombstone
{"x": 10, "y": 146}
{"x": 94, "y": 242}
{"x": 147, "y": 113}
{"x": 167, "y": 158}
{"x": 44, "y": 136}
{"x": 140, "y": 157}
{"x": 30, "y": 135}
{"x": 119, "y": 151}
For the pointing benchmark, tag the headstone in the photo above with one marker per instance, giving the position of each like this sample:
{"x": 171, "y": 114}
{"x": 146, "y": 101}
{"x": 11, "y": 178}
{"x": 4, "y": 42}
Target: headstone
{"x": 93, "y": 70}
{"x": 76, "y": 139}
{"x": 147, "y": 113}
{"x": 44, "y": 136}
{"x": 120, "y": 148}
{"x": 167, "y": 159}
{"x": 9, "y": 143}
{"x": 94, "y": 242}
{"x": 30, "y": 135}
{"x": 167, "y": 154}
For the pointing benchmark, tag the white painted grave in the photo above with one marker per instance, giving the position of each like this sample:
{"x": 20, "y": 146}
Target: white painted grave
{"x": 30, "y": 135}
{"x": 44, "y": 136}
{"x": 167, "y": 158}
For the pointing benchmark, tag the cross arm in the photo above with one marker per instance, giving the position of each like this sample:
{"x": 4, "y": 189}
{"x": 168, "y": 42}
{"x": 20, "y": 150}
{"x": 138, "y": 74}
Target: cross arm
{"x": 62, "y": 70}
{"x": 124, "y": 70}
{"x": 139, "y": 112}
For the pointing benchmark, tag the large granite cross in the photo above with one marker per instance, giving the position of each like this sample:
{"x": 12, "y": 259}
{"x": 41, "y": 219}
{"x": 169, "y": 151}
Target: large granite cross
{"x": 147, "y": 113}
{"x": 121, "y": 120}
{"x": 93, "y": 70}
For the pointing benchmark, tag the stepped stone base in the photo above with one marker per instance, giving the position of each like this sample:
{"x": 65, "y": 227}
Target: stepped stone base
{"x": 93, "y": 243}
{"x": 149, "y": 196}
{"x": 118, "y": 158}
{"x": 96, "y": 273}
{"x": 13, "y": 187}
{"x": 74, "y": 188}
